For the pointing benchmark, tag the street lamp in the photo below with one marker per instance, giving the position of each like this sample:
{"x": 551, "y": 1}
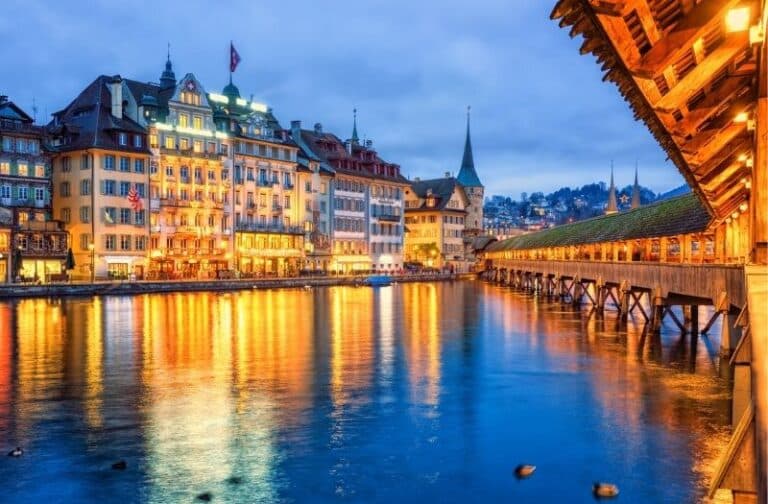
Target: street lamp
{"x": 92, "y": 248}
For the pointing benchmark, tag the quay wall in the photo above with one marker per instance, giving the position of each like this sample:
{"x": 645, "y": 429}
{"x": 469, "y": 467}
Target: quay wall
{"x": 121, "y": 288}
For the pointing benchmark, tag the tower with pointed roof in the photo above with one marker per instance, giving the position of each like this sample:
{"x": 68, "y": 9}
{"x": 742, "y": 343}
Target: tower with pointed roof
{"x": 355, "y": 140}
{"x": 636, "y": 192}
{"x": 168, "y": 78}
{"x": 612, "y": 206}
{"x": 474, "y": 189}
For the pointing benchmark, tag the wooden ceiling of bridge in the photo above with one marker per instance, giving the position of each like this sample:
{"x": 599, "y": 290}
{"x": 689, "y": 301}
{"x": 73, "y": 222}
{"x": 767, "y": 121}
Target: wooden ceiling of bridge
{"x": 685, "y": 76}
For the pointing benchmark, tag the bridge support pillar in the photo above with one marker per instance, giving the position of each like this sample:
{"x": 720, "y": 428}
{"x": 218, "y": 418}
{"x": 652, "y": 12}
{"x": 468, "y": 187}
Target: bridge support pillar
{"x": 624, "y": 293}
{"x": 694, "y": 317}
{"x": 657, "y": 310}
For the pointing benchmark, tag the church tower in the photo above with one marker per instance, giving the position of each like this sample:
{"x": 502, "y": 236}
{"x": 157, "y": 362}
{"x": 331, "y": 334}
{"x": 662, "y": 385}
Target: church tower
{"x": 612, "y": 206}
{"x": 473, "y": 187}
{"x": 636, "y": 192}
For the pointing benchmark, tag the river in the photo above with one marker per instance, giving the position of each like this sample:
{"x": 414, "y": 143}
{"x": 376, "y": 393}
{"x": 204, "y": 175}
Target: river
{"x": 414, "y": 392}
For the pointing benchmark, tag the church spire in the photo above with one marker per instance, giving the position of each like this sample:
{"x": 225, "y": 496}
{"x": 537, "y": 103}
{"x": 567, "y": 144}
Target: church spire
{"x": 612, "y": 207}
{"x": 355, "y": 138}
{"x": 168, "y": 78}
{"x": 636, "y": 191}
{"x": 467, "y": 175}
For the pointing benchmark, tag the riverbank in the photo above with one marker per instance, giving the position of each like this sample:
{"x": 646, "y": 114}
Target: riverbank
{"x": 148, "y": 287}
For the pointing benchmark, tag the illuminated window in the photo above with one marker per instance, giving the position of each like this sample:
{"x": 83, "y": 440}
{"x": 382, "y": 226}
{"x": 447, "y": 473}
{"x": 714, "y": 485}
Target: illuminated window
{"x": 184, "y": 120}
{"x": 197, "y": 122}
{"x": 170, "y": 142}
{"x": 198, "y": 146}
{"x": 22, "y": 169}
{"x": 5, "y": 168}
{"x": 39, "y": 171}
{"x": 184, "y": 143}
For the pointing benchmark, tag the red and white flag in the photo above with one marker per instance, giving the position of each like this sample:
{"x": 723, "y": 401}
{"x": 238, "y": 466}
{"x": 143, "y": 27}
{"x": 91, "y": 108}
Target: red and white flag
{"x": 234, "y": 58}
{"x": 135, "y": 200}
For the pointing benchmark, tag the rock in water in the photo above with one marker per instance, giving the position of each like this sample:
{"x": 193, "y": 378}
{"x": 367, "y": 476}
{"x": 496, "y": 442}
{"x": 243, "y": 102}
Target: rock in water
{"x": 524, "y": 470}
{"x": 120, "y": 465}
{"x": 605, "y": 490}
{"x": 205, "y": 497}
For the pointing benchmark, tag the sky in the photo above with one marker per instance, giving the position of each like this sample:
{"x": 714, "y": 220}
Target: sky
{"x": 541, "y": 116}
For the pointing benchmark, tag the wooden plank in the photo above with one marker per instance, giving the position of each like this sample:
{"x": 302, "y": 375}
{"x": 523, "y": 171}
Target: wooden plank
{"x": 703, "y": 73}
{"x": 690, "y": 29}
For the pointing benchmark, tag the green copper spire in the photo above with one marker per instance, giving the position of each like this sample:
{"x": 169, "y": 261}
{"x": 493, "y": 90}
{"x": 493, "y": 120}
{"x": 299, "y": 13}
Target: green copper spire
{"x": 612, "y": 207}
{"x": 355, "y": 138}
{"x": 467, "y": 175}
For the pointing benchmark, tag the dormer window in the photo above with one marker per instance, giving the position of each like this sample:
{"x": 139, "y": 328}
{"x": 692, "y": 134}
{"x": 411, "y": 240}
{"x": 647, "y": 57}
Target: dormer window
{"x": 122, "y": 138}
{"x": 137, "y": 141}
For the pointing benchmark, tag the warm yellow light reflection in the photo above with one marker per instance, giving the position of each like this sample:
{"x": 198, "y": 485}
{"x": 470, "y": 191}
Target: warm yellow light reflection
{"x": 737, "y": 19}
{"x": 741, "y": 117}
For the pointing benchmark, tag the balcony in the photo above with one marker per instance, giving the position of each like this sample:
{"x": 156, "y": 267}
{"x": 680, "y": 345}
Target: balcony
{"x": 36, "y": 226}
{"x": 154, "y": 204}
{"x": 277, "y": 209}
{"x": 214, "y": 156}
{"x": 388, "y": 217}
{"x": 174, "y": 202}
{"x": 245, "y": 227}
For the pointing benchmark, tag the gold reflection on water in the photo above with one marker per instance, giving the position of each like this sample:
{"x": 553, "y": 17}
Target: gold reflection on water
{"x": 352, "y": 346}
{"x": 6, "y": 358}
{"x": 422, "y": 346}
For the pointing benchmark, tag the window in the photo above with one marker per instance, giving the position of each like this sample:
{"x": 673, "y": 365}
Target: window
{"x": 110, "y": 215}
{"x": 85, "y": 214}
{"x": 211, "y": 175}
{"x": 153, "y": 140}
{"x": 109, "y": 162}
{"x": 137, "y": 141}
{"x": 5, "y": 191}
{"x": 124, "y": 188}
{"x": 184, "y": 120}
{"x": 108, "y": 187}
{"x": 23, "y": 192}
{"x": 65, "y": 215}
{"x": 197, "y": 146}
{"x": 184, "y": 174}
{"x": 170, "y": 142}
{"x": 84, "y": 165}
{"x": 141, "y": 189}
{"x": 169, "y": 171}
{"x": 197, "y": 122}
{"x": 138, "y": 166}
{"x": 64, "y": 189}
{"x": 22, "y": 169}
{"x": 139, "y": 217}
{"x": 39, "y": 171}
{"x": 85, "y": 187}
{"x": 184, "y": 143}
{"x": 141, "y": 243}
{"x": 39, "y": 194}
{"x": 323, "y": 188}
{"x": 85, "y": 240}
{"x": 125, "y": 216}
{"x": 122, "y": 138}
{"x": 8, "y": 144}
{"x": 287, "y": 202}
{"x": 110, "y": 242}
{"x": 5, "y": 168}
{"x": 125, "y": 164}
{"x": 125, "y": 242}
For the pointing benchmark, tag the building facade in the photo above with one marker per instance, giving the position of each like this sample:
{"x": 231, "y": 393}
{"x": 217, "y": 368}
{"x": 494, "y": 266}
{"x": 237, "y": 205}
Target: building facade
{"x": 101, "y": 158}
{"x": 364, "y": 237}
{"x": 435, "y": 218}
{"x": 33, "y": 246}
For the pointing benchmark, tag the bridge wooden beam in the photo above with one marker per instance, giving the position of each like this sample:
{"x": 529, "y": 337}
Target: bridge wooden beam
{"x": 682, "y": 38}
{"x": 702, "y": 74}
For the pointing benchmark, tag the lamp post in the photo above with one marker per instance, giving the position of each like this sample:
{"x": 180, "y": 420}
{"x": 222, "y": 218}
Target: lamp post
{"x": 92, "y": 248}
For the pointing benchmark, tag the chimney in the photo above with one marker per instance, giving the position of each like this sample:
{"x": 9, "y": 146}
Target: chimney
{"x": 3, "y": 99}
{"x": 116, "y": 90}
{"x": 295, "y": 128}
{"x": 369, "y": 144}
{"x": 447, "y": 174}
{"x": 348, "y": 147}
{"x": 318, "y": 129}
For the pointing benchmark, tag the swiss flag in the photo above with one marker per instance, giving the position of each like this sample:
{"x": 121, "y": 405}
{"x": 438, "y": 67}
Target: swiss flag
{"x": 234, "y": 58}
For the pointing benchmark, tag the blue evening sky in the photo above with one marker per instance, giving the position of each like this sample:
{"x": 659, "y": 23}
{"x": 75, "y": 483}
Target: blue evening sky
{"x": 541, "y": 116}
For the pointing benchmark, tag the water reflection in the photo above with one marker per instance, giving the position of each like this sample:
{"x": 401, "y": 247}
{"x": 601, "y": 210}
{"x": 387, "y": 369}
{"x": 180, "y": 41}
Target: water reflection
{"x": 401, "y": 393}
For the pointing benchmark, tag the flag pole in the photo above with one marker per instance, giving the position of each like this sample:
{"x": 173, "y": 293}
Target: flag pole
{"x": 230, "y": 61}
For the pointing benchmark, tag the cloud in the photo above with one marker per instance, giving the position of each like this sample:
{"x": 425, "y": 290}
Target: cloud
{"x": 541, "y": 117}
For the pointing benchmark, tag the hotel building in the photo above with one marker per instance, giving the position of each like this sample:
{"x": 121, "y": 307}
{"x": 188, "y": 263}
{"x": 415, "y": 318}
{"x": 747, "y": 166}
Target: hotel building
{"x": 100, "y": 154}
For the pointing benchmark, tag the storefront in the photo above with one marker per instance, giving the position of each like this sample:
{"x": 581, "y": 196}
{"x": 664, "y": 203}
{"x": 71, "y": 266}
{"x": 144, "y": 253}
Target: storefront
{"x": 351, "y": 264}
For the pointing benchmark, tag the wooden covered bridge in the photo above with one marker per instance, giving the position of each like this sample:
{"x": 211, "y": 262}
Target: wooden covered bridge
{"x": 696, "y": 73}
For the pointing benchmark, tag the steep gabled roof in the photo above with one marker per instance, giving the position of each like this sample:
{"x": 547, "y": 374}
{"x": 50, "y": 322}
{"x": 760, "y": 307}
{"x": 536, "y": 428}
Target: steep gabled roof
{"x": 467, "y": 175}
{"x": 87, "y": 121}
{"x": 12, "y": 112}
{"x": 441, "y": 189}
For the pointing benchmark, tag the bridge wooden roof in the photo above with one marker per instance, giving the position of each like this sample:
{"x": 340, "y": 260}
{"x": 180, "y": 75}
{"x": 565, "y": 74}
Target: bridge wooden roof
{"x": 682, "y": 215}
{"x": 685, "y": 76}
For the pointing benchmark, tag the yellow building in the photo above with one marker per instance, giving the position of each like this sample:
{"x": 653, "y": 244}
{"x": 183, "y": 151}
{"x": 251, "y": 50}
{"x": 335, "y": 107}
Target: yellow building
{"x": 435, "y": 215}
{"x": 101, "y": 156}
